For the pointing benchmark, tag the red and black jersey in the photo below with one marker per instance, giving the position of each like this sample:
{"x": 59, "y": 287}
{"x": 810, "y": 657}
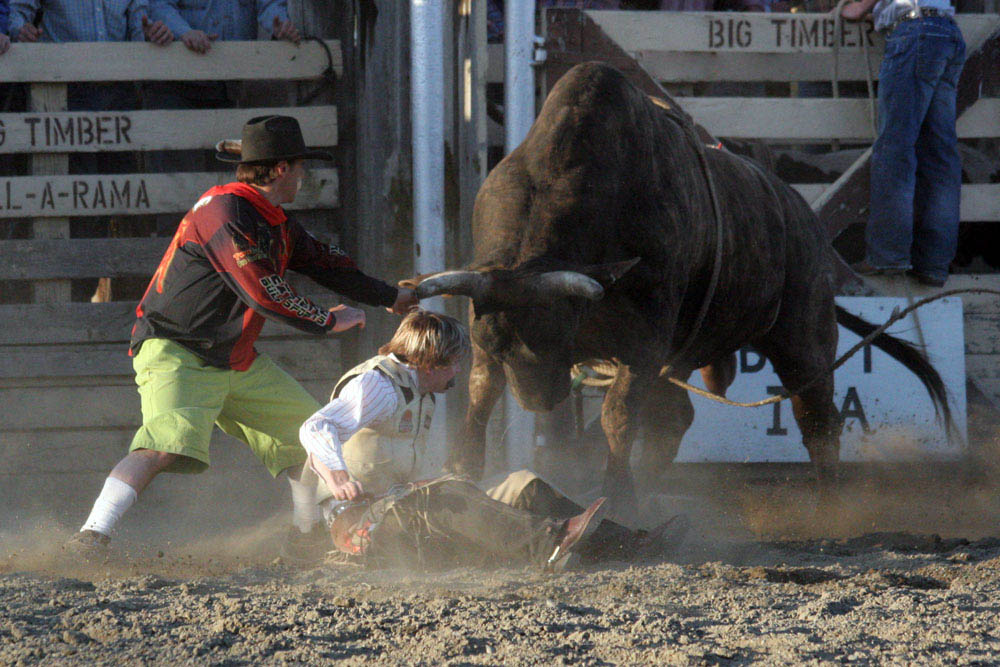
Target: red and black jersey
{"x": 224, "y": 273}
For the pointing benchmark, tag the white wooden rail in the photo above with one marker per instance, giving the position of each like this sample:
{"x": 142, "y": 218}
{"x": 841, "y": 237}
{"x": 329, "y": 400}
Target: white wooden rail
{"x": 100, "y": 131}
{"x": 135, "y": 194}
{"x": 140, "y": 61}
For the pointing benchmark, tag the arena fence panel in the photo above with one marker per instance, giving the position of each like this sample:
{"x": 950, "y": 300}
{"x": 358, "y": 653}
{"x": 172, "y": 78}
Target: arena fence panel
{"x": 65, "y": 377}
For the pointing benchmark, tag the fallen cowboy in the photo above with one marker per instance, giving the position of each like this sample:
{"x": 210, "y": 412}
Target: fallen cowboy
{"x": 368, "y": 444}
{"x": 450, "y": 522}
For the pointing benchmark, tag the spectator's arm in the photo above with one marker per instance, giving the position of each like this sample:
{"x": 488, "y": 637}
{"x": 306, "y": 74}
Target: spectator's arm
{"x": 168, "y": 12}
{"x": 855, "y": 11}
{"x": 21, "y": 12}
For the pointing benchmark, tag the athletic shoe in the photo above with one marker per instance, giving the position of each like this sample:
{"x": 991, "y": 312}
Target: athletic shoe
{"x": 89, "y": 545}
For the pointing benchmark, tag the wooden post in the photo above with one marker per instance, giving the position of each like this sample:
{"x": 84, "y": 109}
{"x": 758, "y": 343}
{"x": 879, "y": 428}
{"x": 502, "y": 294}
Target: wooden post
{"x": 465, "y": 158}
{"x": 49, "y": 97}
{"x": 384, "y": 184}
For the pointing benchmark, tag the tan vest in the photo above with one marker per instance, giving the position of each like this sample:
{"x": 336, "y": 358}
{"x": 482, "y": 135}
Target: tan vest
{"x": 392, "y": 451}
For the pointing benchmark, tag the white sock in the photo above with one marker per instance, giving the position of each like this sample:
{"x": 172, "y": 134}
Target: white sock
{"x": 116, "y": 497}
{"x": 305, "y": 512}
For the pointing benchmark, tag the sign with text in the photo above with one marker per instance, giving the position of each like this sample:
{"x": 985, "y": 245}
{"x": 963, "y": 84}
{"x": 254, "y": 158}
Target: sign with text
{"x": 123, "y": 194}
{"x": 749, "y": 32}
{"x": 787, "y": 31}
{"x": 94, "y": 131}
{"x": 758, "y": 32}
{"x": 888, "y": 415}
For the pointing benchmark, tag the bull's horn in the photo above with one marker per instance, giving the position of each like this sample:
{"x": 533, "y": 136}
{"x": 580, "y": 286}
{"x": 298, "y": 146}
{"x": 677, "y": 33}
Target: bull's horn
{"x": 567, "y": 283}
{"x": 463, "y": 283}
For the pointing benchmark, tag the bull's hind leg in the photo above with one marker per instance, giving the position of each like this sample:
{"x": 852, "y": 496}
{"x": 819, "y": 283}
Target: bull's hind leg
{"x": 666, "y": 417}
{"x": 800, "y": 356}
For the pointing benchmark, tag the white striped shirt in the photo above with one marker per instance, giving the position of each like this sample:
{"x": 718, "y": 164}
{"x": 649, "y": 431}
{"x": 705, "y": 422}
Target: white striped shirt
{"x": 366, "y": 400}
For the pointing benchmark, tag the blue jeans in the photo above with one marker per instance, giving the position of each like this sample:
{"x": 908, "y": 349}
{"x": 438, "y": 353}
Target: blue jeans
{"x": 916, "y": 172}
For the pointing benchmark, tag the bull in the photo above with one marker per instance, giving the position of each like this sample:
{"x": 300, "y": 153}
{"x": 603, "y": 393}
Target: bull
{"x": 597, "y": 239}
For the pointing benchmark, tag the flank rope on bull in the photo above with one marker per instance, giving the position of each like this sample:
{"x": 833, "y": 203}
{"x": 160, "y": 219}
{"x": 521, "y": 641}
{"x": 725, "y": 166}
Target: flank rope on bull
{"x": 688, "y": 128}
{"x": 584, "y": 372}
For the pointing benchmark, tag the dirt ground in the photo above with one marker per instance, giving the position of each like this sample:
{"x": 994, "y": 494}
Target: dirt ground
{"x": 904, "y": 573}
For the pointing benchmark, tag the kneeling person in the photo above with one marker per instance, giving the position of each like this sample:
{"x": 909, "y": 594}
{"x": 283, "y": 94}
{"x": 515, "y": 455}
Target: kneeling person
{"x": 369, "y": 442}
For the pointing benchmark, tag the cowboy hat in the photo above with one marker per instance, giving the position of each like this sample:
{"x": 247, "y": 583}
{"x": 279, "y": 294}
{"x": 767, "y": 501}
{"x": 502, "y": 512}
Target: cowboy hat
{"x": 268, "y": 139}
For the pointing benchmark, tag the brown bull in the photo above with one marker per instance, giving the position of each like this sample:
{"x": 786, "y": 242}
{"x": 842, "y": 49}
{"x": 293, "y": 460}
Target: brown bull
{"x": 596, "y": 239}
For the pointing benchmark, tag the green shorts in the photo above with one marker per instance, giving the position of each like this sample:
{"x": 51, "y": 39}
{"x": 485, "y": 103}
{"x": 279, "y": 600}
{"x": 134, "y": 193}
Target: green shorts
{"x": 182, "y": 397}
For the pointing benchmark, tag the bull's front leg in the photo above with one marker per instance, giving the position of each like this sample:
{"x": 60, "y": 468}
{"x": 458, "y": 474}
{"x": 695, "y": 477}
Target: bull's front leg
{"x": 486, "y": 384}
{"x": 620, "y": 417}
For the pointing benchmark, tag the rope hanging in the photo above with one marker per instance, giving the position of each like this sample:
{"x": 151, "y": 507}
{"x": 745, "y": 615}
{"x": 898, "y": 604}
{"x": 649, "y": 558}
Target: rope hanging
{"x": 610, "y": 368}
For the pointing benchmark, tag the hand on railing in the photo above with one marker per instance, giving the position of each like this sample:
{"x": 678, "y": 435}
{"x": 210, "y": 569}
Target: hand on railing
{"x": 285, "y": 30}
{"x": 198, "y": 40}
{"x": 156, "y": 33}
{"x": 4, "y": 43}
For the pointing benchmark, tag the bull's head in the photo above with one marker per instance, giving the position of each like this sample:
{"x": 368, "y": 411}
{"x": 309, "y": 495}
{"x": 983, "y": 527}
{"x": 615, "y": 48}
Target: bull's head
{"x": 528, "y": 320}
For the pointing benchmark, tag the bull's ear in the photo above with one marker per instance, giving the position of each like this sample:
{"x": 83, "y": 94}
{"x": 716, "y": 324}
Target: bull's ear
{"x": 607, "y": 274}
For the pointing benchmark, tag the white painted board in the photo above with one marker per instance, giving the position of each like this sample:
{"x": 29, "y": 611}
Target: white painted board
{"x": 93, "y": 131}
{"x": 757, "y": 32}
{"x": 133, "y": 194}
{"x": 900, "y": 419}
{"x": 142, "y": 61}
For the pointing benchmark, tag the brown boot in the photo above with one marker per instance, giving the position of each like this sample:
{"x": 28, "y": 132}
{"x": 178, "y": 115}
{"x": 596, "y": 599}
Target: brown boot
{"x": 574, "y": 532}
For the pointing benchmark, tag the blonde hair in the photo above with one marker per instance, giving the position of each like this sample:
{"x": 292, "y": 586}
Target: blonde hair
{"x": 428, "y": 340}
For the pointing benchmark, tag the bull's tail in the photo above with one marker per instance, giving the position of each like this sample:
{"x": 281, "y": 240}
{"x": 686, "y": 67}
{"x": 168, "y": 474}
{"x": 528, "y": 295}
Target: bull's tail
{"x": 909, "y": 356}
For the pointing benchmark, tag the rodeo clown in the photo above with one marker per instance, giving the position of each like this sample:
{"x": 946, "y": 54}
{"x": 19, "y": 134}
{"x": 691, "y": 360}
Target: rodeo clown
{"x": 369, "y": 442}
{"x": 193, "y": 342}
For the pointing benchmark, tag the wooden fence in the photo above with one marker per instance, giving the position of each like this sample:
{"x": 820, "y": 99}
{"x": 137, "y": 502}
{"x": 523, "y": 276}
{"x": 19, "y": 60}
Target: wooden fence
{"x": 66, "y": 386}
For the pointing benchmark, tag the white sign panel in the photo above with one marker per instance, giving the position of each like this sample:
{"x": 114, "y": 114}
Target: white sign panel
{"x": 888, "y": 413}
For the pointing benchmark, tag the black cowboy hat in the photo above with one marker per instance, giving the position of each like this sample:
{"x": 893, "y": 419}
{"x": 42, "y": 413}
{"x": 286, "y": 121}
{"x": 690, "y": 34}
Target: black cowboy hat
{"x": 268, "y": 139}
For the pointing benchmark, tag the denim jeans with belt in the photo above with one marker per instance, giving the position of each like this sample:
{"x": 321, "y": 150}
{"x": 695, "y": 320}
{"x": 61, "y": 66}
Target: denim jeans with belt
{"x": 916, "y": 172}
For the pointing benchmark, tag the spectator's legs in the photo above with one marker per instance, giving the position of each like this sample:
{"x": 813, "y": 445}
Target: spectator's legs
{"x": 939, "y": 167}
{"x": 902, "y": 104}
